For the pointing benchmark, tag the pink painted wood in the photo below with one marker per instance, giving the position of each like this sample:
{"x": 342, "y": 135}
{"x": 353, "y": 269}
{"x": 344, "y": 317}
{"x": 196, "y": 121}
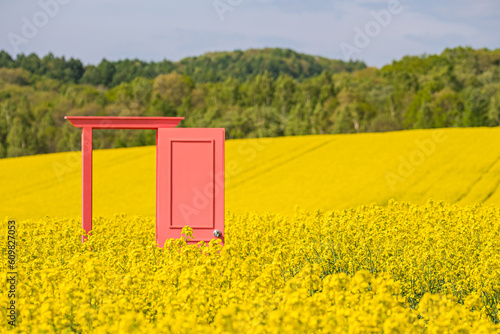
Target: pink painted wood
{"x": 106, "y": 122}
{"x": 88, "y": 123}
{"x": 86, "y": 180}
{"x": 190, "y": 183}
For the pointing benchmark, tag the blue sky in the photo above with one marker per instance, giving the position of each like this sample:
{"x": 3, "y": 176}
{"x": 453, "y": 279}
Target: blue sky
{"x": 165, "y": 29}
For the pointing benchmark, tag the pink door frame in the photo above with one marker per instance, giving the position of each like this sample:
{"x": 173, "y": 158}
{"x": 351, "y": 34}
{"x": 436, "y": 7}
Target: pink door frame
{"x": 88, "y": 123}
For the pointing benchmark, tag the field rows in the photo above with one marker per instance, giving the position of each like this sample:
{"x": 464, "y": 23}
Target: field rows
{"x": 274, "y": 174}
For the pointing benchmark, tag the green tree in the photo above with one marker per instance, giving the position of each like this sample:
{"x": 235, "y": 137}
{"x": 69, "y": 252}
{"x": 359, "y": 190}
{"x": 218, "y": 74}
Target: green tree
{"x": 6, "y": 60}
{"x": 494, "y": 110}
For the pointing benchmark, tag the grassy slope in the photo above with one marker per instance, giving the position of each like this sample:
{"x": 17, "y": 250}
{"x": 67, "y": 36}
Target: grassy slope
{"x": 276, "y": 174}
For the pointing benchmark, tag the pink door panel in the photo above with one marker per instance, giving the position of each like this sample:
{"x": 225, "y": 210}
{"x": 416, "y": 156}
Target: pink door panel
{"x": 190, "y": 183}
{"x": 192, "y": 179}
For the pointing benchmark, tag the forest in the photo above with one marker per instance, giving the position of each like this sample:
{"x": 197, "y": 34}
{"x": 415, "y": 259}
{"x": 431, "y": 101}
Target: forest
{"x": 253, "y": 93}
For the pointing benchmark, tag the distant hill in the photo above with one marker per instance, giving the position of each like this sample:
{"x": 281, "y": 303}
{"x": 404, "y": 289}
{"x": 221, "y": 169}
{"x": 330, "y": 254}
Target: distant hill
{"x": 218, "y": 66}
{"x": 210, "y": 67}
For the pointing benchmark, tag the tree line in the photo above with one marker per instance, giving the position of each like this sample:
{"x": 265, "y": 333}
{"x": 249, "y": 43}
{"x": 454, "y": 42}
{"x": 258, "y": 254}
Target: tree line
{"x": 210, "y": 67}
{"x": 458, "y": 88}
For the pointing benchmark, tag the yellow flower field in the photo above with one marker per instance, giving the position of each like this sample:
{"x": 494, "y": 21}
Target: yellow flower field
{"x": 403, "y": 268}
{"x": 274, "y": 174}
{"x": 367, "y": 262}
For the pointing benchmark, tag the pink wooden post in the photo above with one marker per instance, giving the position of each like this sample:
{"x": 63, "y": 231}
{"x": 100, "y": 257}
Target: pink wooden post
{"x": 189, "y": 174}
{"x": 86, "y": 180}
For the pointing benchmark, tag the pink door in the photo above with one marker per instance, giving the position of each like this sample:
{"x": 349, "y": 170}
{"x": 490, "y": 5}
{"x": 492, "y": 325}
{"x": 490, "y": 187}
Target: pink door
{"x": 190, "y": 183}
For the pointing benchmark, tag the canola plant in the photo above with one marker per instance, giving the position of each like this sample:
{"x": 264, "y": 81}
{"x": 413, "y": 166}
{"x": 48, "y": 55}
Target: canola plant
{"x": 402, "y": 268}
